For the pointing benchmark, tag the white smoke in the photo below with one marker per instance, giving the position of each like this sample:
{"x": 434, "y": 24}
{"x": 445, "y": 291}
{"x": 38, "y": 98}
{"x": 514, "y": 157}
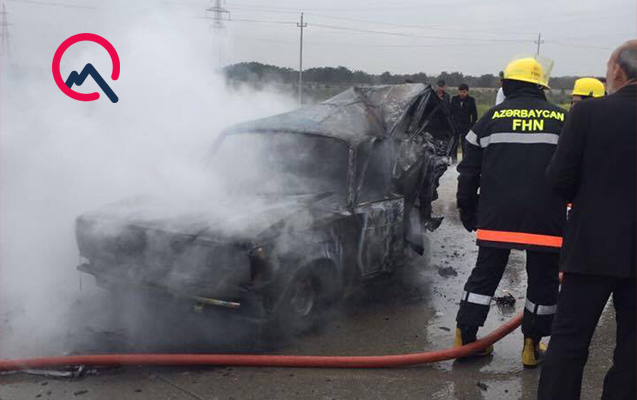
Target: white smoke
{"x": 60, "y": 157}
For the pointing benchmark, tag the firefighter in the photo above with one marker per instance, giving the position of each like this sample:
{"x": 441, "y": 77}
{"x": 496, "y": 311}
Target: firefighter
{"x": 586, "y": 88}
{"x": 508, "y": 150}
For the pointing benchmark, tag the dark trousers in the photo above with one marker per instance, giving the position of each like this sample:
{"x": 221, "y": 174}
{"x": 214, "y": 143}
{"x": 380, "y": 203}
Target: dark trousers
{"x": 541, "y": 294}
{"x": 460, "y": 143}
{"x": 581, "y": 302}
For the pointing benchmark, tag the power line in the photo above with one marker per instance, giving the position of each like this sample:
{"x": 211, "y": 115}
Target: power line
{"x": 420, "y": 27}
{"x": 262, "y": 21}
{"x": 379, "y": 8}
{"x": 583, "y": 46}
{"x": 335, "y": 44}
{"x": 288, "y": 11}
{"x": 283, "y": 10}
{"x": 264, "y": 10}
{"x": 254, "y": 39}
{"x": 427, "y": 28}
{"x": 53, "y": 4}
{"x": 356, "y": 45}
{"x": 401, "y": 34}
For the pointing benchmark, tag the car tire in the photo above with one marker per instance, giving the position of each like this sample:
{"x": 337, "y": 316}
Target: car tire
{"x": 305, "y": 300}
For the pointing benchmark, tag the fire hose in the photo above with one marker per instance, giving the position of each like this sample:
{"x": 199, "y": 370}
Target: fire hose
{"x": 246, "y": 360}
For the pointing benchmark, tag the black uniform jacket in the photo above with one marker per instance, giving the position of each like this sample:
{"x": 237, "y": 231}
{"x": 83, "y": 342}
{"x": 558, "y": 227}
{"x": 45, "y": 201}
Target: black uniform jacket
{"x": 508, "y": 151}
{"x": 595, "y": 166}
{"x": 464, "y": 112}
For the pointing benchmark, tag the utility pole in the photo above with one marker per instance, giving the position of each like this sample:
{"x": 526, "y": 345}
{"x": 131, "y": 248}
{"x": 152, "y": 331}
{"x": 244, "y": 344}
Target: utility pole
{"x": 6, "y": 43}
{"x": 539, "y": 41}
{"x": 301, "y": 25}
{"x": 219, "y": 14}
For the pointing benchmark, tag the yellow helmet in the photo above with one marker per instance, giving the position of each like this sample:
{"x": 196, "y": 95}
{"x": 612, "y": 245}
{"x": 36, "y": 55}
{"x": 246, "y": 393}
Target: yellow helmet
{"x": 527, "y": 69}
{"x": 588, "y": 87}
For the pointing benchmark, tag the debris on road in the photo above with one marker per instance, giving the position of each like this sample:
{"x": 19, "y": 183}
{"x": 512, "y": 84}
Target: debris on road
{"x": 447, "y": 271}
{"x": 506, "y": 300}
{"x": 71, "y": 373}
{"x": 482, "y": 386}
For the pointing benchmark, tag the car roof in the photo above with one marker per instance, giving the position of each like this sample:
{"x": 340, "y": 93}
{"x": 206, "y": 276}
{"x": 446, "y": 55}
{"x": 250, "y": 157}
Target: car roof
{"x": 358, "y": 114}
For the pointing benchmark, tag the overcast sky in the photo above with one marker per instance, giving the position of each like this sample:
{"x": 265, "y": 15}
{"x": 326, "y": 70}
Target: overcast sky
{"x": 471, "y": 36}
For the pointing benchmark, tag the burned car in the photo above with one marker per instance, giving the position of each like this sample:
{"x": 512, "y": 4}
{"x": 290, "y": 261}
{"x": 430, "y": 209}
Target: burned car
{"x": 310, "y": 203}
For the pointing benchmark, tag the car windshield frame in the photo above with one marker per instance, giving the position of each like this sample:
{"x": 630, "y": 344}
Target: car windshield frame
{"x": 349, "y": 178}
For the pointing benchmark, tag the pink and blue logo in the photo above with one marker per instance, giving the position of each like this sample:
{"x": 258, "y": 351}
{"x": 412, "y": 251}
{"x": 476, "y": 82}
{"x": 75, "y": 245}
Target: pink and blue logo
{"x": 78, "y": 79}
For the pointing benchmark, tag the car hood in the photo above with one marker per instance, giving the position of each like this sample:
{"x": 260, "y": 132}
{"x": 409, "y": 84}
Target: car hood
{"x": 237, "y": 219}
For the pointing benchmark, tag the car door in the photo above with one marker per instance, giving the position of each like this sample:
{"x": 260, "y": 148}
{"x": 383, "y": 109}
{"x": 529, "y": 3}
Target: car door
{"x": 378, "y": 210}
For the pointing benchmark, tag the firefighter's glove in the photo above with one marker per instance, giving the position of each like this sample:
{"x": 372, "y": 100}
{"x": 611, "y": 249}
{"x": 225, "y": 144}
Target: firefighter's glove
{"x": 469, "y": 220}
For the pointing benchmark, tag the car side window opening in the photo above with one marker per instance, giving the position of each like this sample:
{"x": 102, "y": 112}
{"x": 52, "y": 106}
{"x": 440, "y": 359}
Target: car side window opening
{"x": 283, "y": 164}
{"x": 375, "y": 164}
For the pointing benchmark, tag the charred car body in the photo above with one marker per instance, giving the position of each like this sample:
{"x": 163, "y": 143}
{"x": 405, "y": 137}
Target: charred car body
{"x": 315, "y": 200}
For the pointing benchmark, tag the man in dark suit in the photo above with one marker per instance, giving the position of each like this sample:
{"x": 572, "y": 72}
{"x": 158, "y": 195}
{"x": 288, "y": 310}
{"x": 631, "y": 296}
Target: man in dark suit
{"x": 595, "y": 167}
{"x": 464, "y": 114}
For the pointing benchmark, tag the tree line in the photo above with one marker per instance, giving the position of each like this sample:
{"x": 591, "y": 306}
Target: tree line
{"x": 255, "y": 72}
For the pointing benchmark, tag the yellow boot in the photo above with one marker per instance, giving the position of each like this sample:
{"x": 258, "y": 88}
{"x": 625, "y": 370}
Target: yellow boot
{"x": 459, "y": 342}
{"x": 532, "y": 353}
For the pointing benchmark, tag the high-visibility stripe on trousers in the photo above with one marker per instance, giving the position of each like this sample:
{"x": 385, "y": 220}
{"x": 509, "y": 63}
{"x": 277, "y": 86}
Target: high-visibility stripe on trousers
{"x": 476, "y": 298}
{"x": 521, "y": 238}
{"x": 542, "y": 289}
{"x": 540, "y": 309}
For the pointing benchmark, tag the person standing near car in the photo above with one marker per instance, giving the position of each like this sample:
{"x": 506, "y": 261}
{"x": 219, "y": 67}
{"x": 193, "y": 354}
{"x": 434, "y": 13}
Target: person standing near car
{"x": 448, "y": 144}
{"x": 595, "y": 167}
{"x": 500, "y": 97}
{"x": 507, "y": 152}
{"x": 442, "y": 94}
{"x": 464, "y": 114}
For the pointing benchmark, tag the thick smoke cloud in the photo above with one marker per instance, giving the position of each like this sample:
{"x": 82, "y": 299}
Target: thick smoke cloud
{"x": 60, "y": 157}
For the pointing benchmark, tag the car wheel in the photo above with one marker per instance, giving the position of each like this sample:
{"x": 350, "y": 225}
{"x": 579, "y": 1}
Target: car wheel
{"x": 304, "y": 302}
{"x": 299, "y": 306}
{"x": 304, "y": 296}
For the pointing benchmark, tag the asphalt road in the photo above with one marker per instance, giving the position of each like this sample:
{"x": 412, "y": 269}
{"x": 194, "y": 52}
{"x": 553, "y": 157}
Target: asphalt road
{"x": 411, "y": 312}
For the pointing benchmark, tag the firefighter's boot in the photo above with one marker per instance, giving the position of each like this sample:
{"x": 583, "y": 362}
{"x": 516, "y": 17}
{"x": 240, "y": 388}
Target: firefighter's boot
{"x": 468, "y": 335}
{"x": 532, "y": 352}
